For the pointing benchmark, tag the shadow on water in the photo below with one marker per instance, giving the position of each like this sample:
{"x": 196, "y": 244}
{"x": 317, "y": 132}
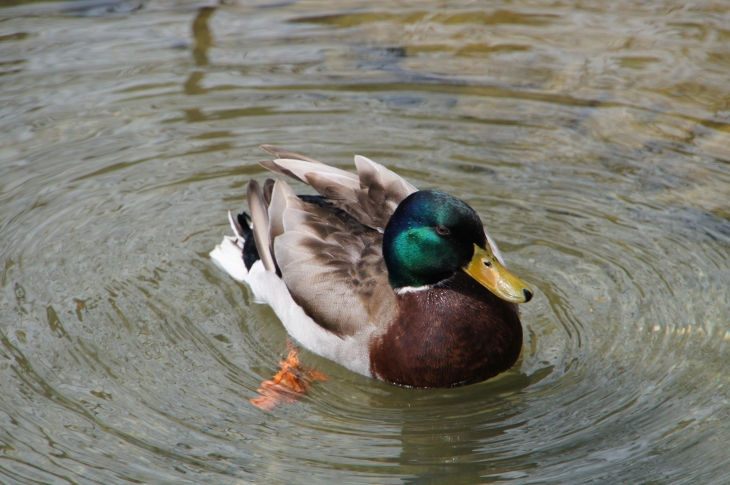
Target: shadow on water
{"x": 459, "y": 436}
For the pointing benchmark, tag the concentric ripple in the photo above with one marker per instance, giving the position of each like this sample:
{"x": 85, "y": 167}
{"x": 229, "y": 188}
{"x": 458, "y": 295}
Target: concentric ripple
{"x": 592, "y": 140}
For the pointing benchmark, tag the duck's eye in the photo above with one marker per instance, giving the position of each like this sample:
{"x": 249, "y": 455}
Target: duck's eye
{"x": 488, "y": 264}
{"x": 442, "y": 230}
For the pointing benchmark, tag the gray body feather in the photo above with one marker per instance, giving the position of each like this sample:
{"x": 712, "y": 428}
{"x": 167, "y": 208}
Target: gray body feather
{"x": 333, "y": 295}
{"x": 331, "y": 261}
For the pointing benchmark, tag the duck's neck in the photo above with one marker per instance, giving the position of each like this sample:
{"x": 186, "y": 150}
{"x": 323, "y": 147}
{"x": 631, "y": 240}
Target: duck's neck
{"x": 454, "y": 333}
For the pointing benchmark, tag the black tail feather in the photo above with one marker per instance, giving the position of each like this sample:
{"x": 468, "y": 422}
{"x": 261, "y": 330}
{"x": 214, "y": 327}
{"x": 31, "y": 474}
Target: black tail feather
{"x": 250, "y": 252}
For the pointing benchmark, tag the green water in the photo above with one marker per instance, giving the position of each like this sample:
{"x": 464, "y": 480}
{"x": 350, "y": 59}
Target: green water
{"x": 593, "y": 138}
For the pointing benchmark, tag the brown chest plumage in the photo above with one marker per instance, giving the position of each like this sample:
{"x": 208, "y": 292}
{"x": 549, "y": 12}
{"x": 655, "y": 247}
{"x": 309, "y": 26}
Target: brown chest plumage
{"x": 454, "y": 334}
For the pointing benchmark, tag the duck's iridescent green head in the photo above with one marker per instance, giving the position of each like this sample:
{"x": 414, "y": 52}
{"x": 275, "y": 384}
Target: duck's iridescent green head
{"x": 431, "y": 235}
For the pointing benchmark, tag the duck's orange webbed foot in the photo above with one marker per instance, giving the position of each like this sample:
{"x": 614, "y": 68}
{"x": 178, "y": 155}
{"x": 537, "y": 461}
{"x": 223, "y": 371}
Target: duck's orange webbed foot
{"x": 289, "y": 384}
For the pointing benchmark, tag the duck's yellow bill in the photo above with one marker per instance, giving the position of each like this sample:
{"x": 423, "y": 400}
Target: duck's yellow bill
{"x": 487, "y": 270}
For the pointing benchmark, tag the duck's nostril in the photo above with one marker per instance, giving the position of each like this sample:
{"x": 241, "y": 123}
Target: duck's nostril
{"x": 528, "y": 295}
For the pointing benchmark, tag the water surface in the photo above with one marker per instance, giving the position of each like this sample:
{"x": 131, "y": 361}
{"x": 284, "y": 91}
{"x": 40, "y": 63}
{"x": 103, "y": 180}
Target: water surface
{"x": 593, "y": 138}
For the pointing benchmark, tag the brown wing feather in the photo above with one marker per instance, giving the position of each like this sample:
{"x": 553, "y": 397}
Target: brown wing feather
{"x": 332, "y": 265}
{"x": 382, "y": 191}
{"x": 279, "y": 152}
{"x": 370, "y": 197}
{"x": 260, "y": 218}
{"x": 331, "y": 261}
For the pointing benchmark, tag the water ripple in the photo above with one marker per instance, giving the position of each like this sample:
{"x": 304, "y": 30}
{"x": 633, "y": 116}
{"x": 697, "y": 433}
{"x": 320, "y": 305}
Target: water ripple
{"x": 126, "y": 355}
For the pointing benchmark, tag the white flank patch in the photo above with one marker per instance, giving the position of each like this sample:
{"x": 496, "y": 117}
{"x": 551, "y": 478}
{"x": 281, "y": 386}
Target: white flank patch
{"x": 351, "y": 352}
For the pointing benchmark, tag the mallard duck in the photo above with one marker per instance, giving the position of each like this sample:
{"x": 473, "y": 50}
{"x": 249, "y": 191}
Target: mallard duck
{"x": 392, "y": 282}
